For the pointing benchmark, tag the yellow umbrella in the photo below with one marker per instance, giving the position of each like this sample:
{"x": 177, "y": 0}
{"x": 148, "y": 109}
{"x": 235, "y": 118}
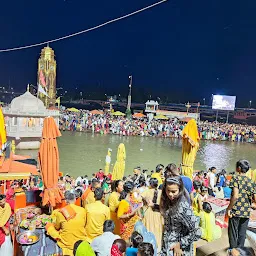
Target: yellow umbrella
{"x": 161, "y": 117}
{"x": 3, "y": 137}
{"x": 108, "y": 161}
{"x": 73, "y": 109}
{"x": 118, "y": 113}
{"x": 190, "y": 145}
{"x": 119, "y": 167}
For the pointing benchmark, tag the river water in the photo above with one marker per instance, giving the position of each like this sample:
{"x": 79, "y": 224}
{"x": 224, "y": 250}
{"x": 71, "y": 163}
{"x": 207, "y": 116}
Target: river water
{"x": 84, "y": 153}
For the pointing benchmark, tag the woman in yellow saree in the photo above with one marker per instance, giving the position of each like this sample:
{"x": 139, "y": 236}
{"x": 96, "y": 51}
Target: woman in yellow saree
{"x": 128, "y": 210}
{"x": 190, "y": 145}
{"x": 153, "y": 219}
{"x": 119, "y": 167}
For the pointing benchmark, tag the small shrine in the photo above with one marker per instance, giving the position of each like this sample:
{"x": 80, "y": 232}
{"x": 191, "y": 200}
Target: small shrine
{"x": 24, "y": 120}
{"x": 151, "y": 106}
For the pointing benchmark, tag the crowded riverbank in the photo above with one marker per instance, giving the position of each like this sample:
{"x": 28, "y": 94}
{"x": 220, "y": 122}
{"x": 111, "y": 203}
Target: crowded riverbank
{"x": 105, "y": 123}
{"x": 79, "y": 213}
{"x": 105, "y": 221}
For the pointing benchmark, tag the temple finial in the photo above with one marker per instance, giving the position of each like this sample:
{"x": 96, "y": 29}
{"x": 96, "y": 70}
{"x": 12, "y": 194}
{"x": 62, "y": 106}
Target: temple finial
{"x": 28, "y": 88}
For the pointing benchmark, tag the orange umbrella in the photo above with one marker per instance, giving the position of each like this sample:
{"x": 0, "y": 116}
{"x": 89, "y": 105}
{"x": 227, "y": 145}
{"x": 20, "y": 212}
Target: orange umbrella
{"x": 48, "y": 157}
{"x": 96, "y": 112}
{"x": 138, "y": 115}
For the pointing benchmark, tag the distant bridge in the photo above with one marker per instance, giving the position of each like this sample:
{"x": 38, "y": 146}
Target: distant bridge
{"x": 105, "y": 103}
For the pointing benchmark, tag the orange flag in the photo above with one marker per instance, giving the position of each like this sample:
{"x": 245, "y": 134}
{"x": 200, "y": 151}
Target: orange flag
{"x": 42, "y": 79}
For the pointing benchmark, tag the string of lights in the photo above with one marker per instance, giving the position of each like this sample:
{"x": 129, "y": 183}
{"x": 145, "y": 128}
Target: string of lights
{"x": 83, "y": 31}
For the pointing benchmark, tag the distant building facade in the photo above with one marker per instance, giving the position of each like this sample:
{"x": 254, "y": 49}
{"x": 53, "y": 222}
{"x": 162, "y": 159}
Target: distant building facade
{"x": 151, "y": 106}
{"x": 47, "y": 65}
{"x": 24, "y": 119}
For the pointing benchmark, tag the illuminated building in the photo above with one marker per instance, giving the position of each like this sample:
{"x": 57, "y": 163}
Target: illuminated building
{"x": 24, "y": 119}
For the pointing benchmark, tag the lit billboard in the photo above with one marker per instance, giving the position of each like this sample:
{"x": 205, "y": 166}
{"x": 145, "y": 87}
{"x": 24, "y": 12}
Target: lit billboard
{"x": 223, "y": 102}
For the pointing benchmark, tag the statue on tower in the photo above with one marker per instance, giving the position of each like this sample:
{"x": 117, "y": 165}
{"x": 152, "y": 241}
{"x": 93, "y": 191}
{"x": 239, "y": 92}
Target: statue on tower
{"x": 46, "y": 76}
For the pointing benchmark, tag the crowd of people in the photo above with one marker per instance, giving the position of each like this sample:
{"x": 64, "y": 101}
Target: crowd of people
{"x": 162, "y": 212}
{"x": 105, "y": 124}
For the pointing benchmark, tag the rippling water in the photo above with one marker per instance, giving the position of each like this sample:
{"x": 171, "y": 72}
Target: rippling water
{"x": 84, "y": 153}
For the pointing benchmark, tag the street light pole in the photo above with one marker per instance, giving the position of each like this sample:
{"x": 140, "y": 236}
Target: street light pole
{"x": 129, "y": 102}
{"x": 204, "y": 101}
{"x": 130, "y": 94}
{"x": 188, "y": 106}
{"x": 250, "y": 104}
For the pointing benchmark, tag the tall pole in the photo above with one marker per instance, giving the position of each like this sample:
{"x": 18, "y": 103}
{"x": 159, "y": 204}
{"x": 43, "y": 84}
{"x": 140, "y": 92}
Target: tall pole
{"x": 129, "y": 95}
{"x": 217, "y": 116}
{"x": 227, "y": 116}
{"x": 187, "y": 106}
{"x": 129, "y": 102}
{"x": 197, "y": 111}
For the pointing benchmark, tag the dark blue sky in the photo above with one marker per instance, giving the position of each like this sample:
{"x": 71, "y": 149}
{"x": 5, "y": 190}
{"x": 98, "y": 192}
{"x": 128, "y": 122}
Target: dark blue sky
{"x": 182, "y": 49}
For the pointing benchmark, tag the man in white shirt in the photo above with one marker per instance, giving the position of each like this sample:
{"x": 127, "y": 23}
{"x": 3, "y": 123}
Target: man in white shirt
{"x": 211, "y": 180}
{"x": 79, "y": 179}
{"x": 102, "y": 244}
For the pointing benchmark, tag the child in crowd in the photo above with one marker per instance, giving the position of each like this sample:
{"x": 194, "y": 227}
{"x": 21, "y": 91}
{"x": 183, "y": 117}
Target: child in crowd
{"x": 106, "y": 186}
{"x": 145, "y": 249}
{"x": 136, "y": 239}
{"x": 200, "y": 177}
{"x": 204, "y": 193}
{"x": 118, "y": 248}
{"x": 221, "y": 178}
{"x": 197, "y": 202}
{"x": 210, "y": 231}
{"x": 82, "y": 248}
{"x": 206, "y": 181}
{"x": 219, "y": 193}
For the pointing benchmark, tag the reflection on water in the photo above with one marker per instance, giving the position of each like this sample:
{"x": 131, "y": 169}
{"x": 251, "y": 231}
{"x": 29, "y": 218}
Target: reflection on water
{"x": 216, "y": 154}
{"x": 84, "y": 153}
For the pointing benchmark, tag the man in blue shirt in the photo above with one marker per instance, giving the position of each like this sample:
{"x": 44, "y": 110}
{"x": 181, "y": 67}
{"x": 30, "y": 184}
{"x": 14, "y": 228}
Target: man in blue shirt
{"x": 187, "y": 183}
{"x": 227, "y": 192}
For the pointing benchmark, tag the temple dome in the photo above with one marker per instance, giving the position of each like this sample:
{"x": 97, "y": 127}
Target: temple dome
{"x": 27, "y": 103}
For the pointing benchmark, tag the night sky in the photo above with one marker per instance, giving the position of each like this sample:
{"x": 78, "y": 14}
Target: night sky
{"x": 181, "y": 50}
